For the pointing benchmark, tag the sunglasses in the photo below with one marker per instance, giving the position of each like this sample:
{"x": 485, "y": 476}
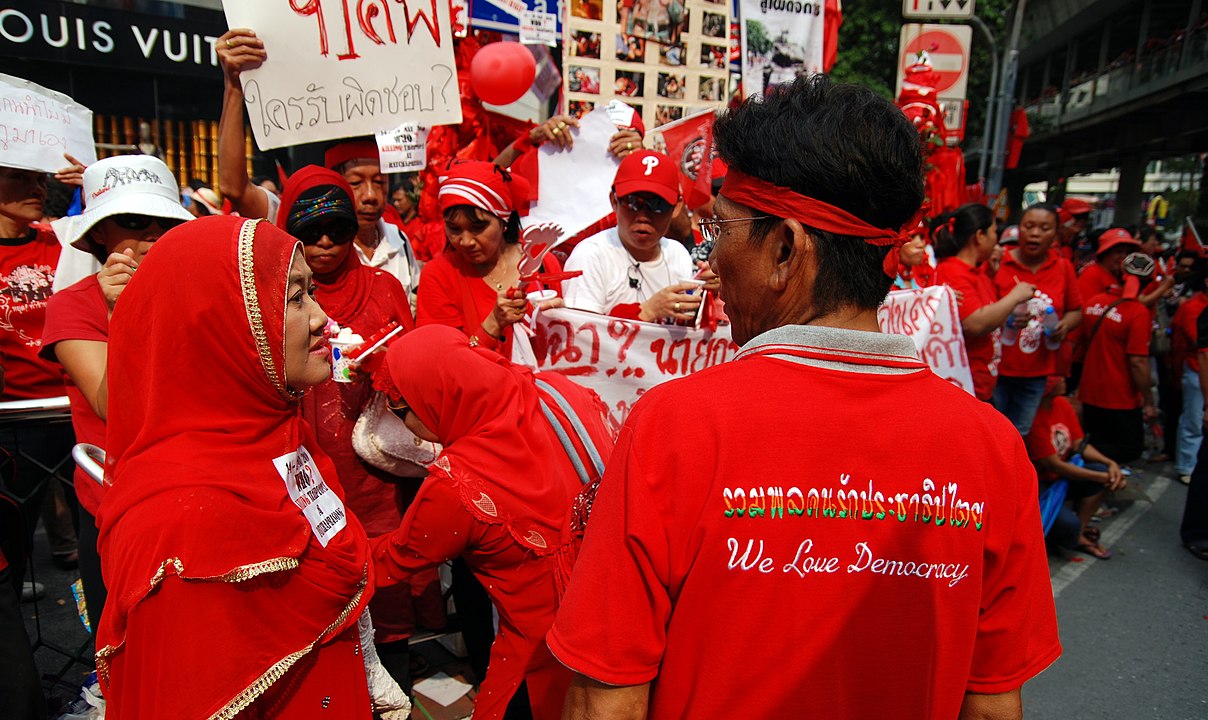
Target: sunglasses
{"x": 400, "y": 408}
{"x": 710, "y": 228}
{"x": 338, "y": 233}
{"x": 130, "y": 221}
{"x": 655, "y": 205}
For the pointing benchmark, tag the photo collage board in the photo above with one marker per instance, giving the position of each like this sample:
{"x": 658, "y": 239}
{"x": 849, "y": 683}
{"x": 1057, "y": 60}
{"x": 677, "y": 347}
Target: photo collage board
{"x": 666, "y": 58}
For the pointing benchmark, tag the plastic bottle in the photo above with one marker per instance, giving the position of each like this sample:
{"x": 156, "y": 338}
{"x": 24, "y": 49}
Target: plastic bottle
{"x": 1050, "y": 322}
{"x": 1010, "y": 329}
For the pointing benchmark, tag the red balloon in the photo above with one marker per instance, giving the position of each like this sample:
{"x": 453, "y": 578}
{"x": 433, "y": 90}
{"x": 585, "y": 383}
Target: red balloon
{"x": 502, "y": 72}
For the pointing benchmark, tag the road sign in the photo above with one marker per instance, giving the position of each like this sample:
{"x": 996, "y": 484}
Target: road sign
{"x": 937, "y": 9}
{"x": 948, "y": 46}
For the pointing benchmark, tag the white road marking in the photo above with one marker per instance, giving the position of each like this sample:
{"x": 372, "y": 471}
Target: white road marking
{"x": 1070, "y": 571}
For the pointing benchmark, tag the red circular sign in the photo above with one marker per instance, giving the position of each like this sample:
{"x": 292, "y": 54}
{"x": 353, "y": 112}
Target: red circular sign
{"x": 947, "y": 56}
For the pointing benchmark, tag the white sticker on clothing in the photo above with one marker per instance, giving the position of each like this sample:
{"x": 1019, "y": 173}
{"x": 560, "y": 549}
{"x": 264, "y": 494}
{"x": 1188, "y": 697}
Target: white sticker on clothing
{"x": 321, "y": 507}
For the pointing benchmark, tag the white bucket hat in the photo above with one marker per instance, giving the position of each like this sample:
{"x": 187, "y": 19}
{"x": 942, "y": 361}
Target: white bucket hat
{"x": 125, "y": 184}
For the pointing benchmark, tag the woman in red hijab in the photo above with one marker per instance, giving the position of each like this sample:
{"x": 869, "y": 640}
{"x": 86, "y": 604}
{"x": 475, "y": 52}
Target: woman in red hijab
{"x": 236, "y": 575}
{"x": 502, "y": 495}
{"x": 472, "y": 285}
{"x": 317, "y": 208}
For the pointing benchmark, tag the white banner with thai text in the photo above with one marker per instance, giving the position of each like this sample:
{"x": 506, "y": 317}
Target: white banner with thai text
{"x": 336, "y": 69}
{"x": 622, "y": 359}
{"x": 38, "y": 125}
{"x": 929, "y": 316}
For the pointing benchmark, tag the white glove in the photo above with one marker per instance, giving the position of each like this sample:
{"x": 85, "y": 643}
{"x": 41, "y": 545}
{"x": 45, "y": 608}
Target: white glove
{"x": 387, "y": 697}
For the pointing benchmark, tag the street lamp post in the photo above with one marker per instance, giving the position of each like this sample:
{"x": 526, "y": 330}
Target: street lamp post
{"x": 991, "y": 99}
{"x": 1010, "y": 70}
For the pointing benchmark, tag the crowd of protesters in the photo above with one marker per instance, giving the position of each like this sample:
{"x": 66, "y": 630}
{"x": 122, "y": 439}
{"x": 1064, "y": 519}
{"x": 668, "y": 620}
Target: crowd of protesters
{"x": 241, "y": 537}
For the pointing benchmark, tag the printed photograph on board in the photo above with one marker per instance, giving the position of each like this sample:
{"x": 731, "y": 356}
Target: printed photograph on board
{"x": 585, "y": 44}
{"x": 714, "y": 25}
{"x": 672, "y": 54}
{"x": 584, "y": 79}
{"x": 579, "y": 108}
{"x": 779, "y": 45}
{"x": 671, "y": 86}
{"x": 664, "y": 114}
{"x": 587, "y": 9}
{"x": 712, "y": 89}
{"x": 713, "y": 56}
{"x": 662, "y": 21}
{"x": 631, "y": 48}
{"x": 630, "y": 83}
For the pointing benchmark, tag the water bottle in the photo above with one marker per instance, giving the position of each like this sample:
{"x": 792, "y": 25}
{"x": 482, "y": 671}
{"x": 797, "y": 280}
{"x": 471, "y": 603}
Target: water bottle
{"x": 1050, "y": 322}
{"x": 1010, "y": 330}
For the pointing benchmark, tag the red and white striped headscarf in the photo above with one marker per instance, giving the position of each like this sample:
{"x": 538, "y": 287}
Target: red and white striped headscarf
{"x": 484, "y": 185}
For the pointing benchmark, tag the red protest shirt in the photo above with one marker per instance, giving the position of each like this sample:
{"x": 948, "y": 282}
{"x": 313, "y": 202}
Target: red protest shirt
{"x": 1125, "y": 330}
{"x": 1057, "y": 280}
{"x": 1096, "y": 279}
{"x": 976, "y": 291}
{"x": 1055, "y": 431}
{"x": 1184, "y": 334}
{"x": 27, "y": 273}
{"x": 828, "y": 542}
{"x": 79, "y": 313}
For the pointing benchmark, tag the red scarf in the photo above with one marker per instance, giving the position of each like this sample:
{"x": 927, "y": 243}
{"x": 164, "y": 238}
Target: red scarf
{"x": 199, "y": 409}
{"x": 344, "y": 292}
{"x": 784, "y": 203}
{"x": 498, "y": 447}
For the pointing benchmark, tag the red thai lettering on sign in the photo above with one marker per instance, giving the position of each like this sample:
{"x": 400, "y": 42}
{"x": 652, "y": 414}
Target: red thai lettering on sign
{"x": 369, "y": 14}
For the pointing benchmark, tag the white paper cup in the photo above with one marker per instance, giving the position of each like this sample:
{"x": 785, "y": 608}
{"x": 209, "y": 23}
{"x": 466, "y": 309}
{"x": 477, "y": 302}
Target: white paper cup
{"x": 540, "y": 296}
{"x": 341, "y": 365}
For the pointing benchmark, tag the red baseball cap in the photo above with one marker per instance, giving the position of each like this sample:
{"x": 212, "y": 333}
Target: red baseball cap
{"x": 1074, "y": 207}
{"x": 647, "y": 171}
{"x": 1114, "y": 238}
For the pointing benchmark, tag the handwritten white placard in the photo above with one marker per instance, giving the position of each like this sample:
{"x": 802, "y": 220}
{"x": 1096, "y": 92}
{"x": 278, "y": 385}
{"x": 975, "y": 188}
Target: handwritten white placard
{"x": 38, "y": 125}
{"x": 403, "y": 149}
{"x": 539, "y": 28}
{"x": 339, "y": 69}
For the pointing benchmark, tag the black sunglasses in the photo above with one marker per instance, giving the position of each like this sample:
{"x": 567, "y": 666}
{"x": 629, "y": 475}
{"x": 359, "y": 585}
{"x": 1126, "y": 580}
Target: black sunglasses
{"x": 339, "y": 233}
{"x": 131, "y": 221}
{"x": 637, "y": 203}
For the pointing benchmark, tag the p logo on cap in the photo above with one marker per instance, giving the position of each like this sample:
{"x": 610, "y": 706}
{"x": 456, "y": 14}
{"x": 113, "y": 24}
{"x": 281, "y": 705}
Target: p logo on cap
{"x": 651, "y": 162}
{"x": 648, "y": 171}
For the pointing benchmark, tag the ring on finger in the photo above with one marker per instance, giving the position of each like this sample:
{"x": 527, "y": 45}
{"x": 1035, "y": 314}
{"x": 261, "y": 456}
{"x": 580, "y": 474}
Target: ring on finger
{"x": 677, "y": 307}
{"x": 561, "y": 124}
{"x": 556, "y": 130}
{"x": 629, "y": 145}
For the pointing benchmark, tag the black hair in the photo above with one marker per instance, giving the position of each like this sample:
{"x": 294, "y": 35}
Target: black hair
{"x": 1044, "y": 207}
{"x": 952, "y": 231}
{"x": 475, "y": 214}
{"x": 841, "y": 144}
{"x": 59, "y": 196}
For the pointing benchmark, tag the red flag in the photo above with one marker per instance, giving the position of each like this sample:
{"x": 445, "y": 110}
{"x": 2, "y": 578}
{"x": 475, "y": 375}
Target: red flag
{"x": 690, "y": 145}
{"x": 1191, "y": 239}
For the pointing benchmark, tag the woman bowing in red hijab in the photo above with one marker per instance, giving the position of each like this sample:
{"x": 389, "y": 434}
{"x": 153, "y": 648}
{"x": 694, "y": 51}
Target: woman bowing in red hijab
{"x": 236, "y": 573}
{"x": 317, "y": 208}
{"x": 505, "y": 494}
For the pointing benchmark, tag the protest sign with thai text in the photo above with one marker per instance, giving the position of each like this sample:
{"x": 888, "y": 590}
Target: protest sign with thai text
{"x": 337, "y": 69}
{"x": 622, "y": 359}
{"x": 38, "y": 125}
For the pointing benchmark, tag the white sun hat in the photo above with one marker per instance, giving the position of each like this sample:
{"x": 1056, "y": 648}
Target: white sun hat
{"x": 125, "y": 184}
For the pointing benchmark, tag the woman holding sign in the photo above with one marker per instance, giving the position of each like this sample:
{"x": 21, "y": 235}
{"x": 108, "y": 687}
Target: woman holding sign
{"x": 509, "y": 494}
{"x": 236, "y": 575}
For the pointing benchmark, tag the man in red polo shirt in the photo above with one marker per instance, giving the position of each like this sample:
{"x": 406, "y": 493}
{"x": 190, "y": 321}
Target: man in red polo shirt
{"x": 1117, "y": 398}
{"x": 1105, "y": 274}
{"x": 800, "y": 557}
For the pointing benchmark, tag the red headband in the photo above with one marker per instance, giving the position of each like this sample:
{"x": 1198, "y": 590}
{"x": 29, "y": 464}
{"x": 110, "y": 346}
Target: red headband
{"x": 782, "y": 202}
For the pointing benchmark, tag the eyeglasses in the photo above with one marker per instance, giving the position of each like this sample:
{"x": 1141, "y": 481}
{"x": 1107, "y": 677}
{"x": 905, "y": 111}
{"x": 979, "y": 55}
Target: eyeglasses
{"x": 638, "y": 203}
{"x": 710, "y": 228}
{"x": 400, "y": 409}
{"x": 338, "y": 233}
{"x": 130, "y": 221}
